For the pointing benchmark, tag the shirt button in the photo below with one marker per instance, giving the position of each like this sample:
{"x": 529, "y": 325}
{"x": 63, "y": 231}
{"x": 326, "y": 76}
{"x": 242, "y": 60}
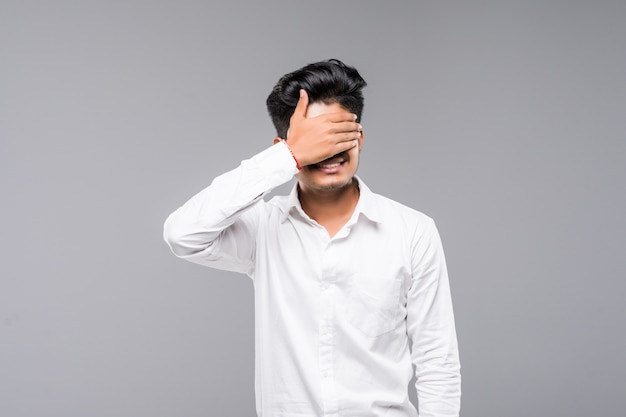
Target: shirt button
{"x": 325, "y": 285}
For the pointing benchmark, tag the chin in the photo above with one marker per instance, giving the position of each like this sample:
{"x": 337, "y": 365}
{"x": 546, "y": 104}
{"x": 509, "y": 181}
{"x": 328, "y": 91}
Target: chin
{"x": 328, "y": 183}
{"x": 334, "y": 186}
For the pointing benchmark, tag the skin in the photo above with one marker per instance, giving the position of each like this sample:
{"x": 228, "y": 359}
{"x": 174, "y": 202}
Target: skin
{"x": 326, "y": 141}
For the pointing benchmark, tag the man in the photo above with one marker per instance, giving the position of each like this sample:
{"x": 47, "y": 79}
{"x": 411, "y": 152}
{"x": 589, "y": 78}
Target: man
{"x": 350, "y": 287}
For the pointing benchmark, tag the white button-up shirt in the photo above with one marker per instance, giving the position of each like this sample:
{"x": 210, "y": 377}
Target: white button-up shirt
{"x": 338, "y": 321}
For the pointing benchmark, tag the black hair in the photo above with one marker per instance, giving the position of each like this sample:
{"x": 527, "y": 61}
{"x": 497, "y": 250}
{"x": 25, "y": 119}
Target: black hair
{"x": 329, "y": 82}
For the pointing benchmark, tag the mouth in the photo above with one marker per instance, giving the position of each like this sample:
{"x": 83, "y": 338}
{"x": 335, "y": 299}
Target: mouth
{"x": 332, "y": 164}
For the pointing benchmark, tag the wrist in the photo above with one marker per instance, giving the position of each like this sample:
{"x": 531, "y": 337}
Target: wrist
{"x": 293, "y": 155}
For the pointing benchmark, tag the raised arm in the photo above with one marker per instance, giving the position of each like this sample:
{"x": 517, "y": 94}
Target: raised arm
{"x": 217, "y": 227}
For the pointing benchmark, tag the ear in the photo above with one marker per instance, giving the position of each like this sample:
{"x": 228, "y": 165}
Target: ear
{"x": 277, "y": 139}
{"x": 361, "y": 141}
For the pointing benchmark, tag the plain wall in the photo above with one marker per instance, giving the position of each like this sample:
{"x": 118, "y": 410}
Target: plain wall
{"x": 502, "y": 120}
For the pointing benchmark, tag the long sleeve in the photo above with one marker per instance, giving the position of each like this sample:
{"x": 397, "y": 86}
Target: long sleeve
{"x": 431, "y": 327}
{"x": 217, "y": 227}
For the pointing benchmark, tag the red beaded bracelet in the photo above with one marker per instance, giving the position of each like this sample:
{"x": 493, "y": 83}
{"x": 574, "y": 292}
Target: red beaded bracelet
{"x": 294, "y": 157}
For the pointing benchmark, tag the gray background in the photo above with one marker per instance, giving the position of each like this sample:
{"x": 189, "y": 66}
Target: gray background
{"x": 505, "y": 121}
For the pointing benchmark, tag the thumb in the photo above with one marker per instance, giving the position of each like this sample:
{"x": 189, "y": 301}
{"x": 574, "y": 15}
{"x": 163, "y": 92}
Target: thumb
{"x": 303, "y": 103}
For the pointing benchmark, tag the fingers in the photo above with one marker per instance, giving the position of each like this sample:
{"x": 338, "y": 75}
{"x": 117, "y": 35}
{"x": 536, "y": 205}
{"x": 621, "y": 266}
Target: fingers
{"x": 346, "y": 146}
{"x": 340, "y": 117}
{"x": 343, "y": 142}
{"x": 347, "y": 137}
{"x": 303, "y": 103}
{"x": 313, "y": 139}
{"x": 346, "y": 127}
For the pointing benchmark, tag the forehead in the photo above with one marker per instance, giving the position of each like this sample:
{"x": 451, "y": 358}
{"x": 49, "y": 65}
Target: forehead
{"x": 318, "y": 108}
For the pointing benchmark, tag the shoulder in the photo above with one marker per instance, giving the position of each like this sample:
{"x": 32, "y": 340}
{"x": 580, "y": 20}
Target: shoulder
{"x": 278, "y": 202}
{"x": 412, "y": 227}
{"x": 277, "y": 207}
{"x": 395, "y": 211}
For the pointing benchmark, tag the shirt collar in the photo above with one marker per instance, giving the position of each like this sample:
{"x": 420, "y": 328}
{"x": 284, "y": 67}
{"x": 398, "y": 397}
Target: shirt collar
{"x": 366, "y": 205}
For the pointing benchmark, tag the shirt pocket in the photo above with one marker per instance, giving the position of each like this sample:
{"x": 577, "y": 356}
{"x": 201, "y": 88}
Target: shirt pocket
{"x": 374, "y": 304}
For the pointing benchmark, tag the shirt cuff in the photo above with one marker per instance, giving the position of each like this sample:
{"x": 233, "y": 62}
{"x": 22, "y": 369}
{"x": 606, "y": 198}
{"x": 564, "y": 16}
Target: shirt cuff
{"x": 277, "y": 163}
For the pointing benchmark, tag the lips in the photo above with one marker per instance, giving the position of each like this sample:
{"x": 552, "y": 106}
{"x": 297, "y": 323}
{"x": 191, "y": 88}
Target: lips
{"x": 332, "y": 162}
{"x": 328, "y": 164}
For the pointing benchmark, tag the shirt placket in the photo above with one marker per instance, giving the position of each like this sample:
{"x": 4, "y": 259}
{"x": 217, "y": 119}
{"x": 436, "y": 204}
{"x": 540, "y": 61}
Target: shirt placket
{"x": 327, "y": 336}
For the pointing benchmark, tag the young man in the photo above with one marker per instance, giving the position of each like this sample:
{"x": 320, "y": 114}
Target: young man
{"x": 350, "y": 287}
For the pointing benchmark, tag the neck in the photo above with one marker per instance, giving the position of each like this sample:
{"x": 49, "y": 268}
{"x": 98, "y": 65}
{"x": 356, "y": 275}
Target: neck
{"x": 330, "y": 208}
